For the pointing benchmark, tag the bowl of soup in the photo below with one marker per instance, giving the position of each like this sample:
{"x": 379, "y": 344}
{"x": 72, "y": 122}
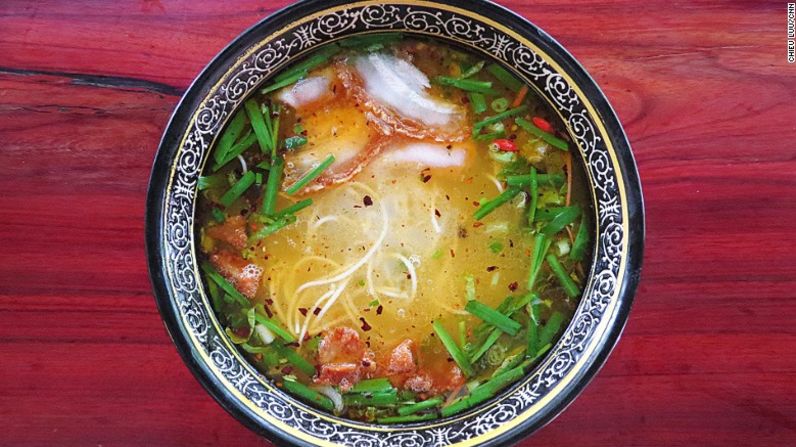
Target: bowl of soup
{"x": 400, "y": 223}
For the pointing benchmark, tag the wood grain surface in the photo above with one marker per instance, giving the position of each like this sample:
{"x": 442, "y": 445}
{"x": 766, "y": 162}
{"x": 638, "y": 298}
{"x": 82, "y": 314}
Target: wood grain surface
{"x": 709, "y": 104}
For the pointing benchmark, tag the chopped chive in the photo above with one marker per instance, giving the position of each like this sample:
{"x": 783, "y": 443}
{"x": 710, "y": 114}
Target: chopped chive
{"x": 549, "y": 138}
{"x": 490, "y": 340}
{"x": 380, "y": 385}
{"x": 550, "y": 329}
{"x": 420, "y": 406}
{"x": 229, "y": 136}
{"x": 548, "y": 214}
{"x": 533, "y": 329}
{"x": 293, "y": 209}
{"x": 374, "y": 399}
{"x": 477, "y": 101}
{"x": 224, "y": 284}
{"x": 318, "y": 58}
{"x": 255, "y": 349}
{"x": 542, "y": 179}
{"x": 275, "y": 328}
{"x": 484, "y": 391}
{"x": 288, "y": 80}
{"x": 308, "y": 394}
{"x": 237, "y": 189}
{"x": 218, "y": 215}
{"x": 504, "y": 77}
{"x": 215, "y": 295}
{"x": 295, "y": 142}
{"x": 258, "y": 178}
{"x": 581, "y": 240}
{"x": 561, "y": 219}
{"x": 534, "y": 185}
{"x": 211, "y": 181}
{"x": 406, "y": 419}
{"x": 239, "y": 148}
{"x": 500, "y": 105}
{"x": 258, "y": 124}
{"x": 265, "y": 165}
{"x": 495, "y": 247}
{"x": 499, "y": 117}
{"x": 456, "y": 353}
{"x": 272, "y": 186}
{"x": 271, "y": 228}
{"x": 295, "y": 358}
{"x": 490, "y": 205}
{"x": 541, "y": 244}
{"x": 378, "y": 40}
{"x": 510, "y": 362}
{"x": 467, "y": 85}
{"x": 311, "y": 175}
{"x": 234, "y": 337}
{"x": 462, "y": 333}
{"x": 492, "y": 317}
{"x": 275, "y": 132}
{"x": 567, "y": 283}
{"x": 473, "y": 70}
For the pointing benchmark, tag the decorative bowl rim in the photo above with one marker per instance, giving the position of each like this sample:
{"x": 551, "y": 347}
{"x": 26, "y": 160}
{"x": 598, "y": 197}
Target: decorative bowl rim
{"x": 484, "y": 27}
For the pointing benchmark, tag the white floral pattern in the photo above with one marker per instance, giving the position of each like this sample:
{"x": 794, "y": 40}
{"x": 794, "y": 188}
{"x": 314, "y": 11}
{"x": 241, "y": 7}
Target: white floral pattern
{"x": 271, "y": 56}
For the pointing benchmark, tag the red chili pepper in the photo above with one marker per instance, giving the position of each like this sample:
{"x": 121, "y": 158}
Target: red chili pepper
{"x": 542, "y": 124}
{"x": 505, "y": 145}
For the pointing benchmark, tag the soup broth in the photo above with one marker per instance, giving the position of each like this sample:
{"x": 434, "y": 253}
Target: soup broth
{"x": 393, "y": 229}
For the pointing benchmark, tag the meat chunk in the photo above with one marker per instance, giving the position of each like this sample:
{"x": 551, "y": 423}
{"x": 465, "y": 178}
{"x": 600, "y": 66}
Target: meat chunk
{"x": 420, "y": 383}
{"x": 402, "y": 359}
{"x": 232, "y": 231}
{"x": 344, "y": 375}
{"x": 244, "y": 275}
{"x": 341, "y": 345}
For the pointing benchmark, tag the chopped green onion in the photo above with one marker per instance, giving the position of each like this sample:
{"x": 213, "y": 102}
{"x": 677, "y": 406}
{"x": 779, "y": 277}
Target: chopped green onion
{"x": 275, "y": 328}
{"x": 211, "y": 181}
{"x": 295, "y": 142}
{"x": 255, "y": 349}
{"x": 490, "y": 205}
{"x": 258, "y": 178}
{"x": 581, "y": 240}
{"x": 500, "y": 105}
{"x": 272, "y": 186}
{"x": 510, "y": 362}
{"x": 525, "y": 180}
{"x": 495, "y": 247}
{"x": 504, "y": 77}
{"x": 311, "y": 175}
{"x": 374, "y": 399}
{"x": 235, "y": 338}
{"x": 218, "y": 215}
{"x": 275, "y": 131}
{"x": 467, "y": 85}
{"x": 229, "y": 136}
{"x": 562, "y": 218}
{"x": 484, "y": 391}
{"x": 371, "y": 41}
{"x": 491, "y": 136}
{"x": 473, "y": 70}
{"x": 420, "y": 406}
{"x": 380, "y": 385}
{"x": 258, "y": 124}
{"x": 308, "y": 394}
{"x": 499, "y": 117}
{"x": 540, "y": 246}
{"x": 239, "y": 148}
{"x": 406, "y": 419}
{"x": 534, "y": 184}
{"x": 567, "y": 283}
{"x": 273, "y": 227}
{"x": 215, "y": 295}
{"x": 477, "y": 101}
{"x": 295, "y": 358}
{"x": 533, "y": 329}
{"x": 224, "y": 284}
{"x": 456, "y": 353}
{"x": 549, "y": 138}
{"x": 551, "y": 328}
{"x": 492, "y": 317}
{"x": 490, "y": 340}
{"x": 318, "y": 58}
{"x": 293, "y": 209}
{"x": 288, "y": 80}
{"x": 237, "y": 189}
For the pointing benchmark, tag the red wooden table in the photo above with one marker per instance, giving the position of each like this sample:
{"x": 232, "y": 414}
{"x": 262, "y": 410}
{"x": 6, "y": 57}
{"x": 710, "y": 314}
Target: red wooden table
{"x": 706, "y": 96}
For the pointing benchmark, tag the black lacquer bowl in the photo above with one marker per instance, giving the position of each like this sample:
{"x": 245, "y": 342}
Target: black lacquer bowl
{"x": 483, "y": 28}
